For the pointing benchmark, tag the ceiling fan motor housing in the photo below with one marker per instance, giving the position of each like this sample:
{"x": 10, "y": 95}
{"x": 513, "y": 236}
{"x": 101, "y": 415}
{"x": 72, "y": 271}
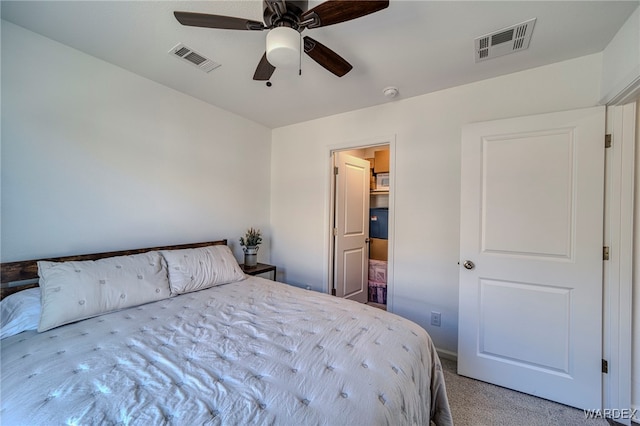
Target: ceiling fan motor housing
{"x": 289, "y": 17}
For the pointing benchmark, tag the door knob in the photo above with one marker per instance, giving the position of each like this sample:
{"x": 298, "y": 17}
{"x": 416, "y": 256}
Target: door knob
{"x": 468, "y": 264}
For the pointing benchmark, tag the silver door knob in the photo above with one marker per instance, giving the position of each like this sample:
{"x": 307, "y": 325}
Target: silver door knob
{"x": 468, "y": 264}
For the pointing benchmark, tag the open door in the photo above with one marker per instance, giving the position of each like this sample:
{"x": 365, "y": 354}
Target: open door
{"x": 351, "y": 232}
{"x": 530, "y": 311}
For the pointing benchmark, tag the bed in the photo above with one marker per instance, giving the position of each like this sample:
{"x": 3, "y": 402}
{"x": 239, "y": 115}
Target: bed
{"x": 248, "y": 351}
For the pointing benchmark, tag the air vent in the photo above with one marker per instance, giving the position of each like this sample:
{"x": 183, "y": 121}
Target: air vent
{"x": 502, "y": 42}
{"x": 194, "y": 58}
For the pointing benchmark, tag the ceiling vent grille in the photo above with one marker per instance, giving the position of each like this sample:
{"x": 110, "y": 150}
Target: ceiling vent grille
{"x": 502, "y": 42}
{"x": 194, "y": 58}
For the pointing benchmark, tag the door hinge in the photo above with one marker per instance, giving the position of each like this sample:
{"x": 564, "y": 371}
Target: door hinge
{"x": 605, "y": 253}
{"x": 607, "y": 141}
{"x": 605, "y": 366}
{"x": 335, "y": 170}
{"x": 335, "y": 231}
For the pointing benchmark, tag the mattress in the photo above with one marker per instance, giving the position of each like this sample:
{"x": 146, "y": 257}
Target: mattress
{"x": 249, "y": 352}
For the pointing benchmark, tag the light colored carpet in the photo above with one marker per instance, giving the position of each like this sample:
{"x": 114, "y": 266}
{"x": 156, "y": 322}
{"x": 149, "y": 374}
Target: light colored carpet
{"x": 476, "y": 403}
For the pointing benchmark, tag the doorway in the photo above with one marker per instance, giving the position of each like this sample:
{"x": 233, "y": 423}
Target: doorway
{"x": 361, "y": 226}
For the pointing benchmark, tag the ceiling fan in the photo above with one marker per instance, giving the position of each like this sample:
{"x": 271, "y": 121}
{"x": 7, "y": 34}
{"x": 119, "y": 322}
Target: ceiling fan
{"x": 285, "y": 20}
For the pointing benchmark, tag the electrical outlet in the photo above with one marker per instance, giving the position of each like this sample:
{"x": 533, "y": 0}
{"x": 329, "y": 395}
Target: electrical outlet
{"x": 436, "y": 318}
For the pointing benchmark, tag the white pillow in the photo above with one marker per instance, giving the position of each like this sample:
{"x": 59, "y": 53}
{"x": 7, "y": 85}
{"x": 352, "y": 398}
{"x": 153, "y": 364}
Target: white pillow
{"x": 20, "y": 312}
{"x": 72, "y": 291}
{"x": 200, "y": 268}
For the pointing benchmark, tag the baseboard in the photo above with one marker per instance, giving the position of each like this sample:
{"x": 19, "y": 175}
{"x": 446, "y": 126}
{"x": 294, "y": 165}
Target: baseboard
{"x": 444, "y": 354}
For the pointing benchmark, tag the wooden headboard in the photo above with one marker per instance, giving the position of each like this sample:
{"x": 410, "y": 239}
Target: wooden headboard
{"x": 16, "y": 276}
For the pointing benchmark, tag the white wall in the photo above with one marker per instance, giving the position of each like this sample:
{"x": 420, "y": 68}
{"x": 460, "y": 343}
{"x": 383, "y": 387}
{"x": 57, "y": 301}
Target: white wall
{"x": 427, "y": 187}
{"x": 621, "y": 59}
{"x": 97, "y": 158}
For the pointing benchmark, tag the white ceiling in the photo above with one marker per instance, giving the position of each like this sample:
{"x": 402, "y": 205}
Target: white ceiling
{"x": 418, "y": 46}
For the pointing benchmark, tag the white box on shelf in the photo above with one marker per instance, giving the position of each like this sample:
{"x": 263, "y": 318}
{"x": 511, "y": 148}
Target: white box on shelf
{"x": 382, "y": 182}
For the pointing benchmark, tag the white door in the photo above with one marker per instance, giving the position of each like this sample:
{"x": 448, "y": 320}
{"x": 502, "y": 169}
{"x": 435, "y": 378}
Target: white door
{"x": 530, "y": 314}
{"x": 351, "y": 261}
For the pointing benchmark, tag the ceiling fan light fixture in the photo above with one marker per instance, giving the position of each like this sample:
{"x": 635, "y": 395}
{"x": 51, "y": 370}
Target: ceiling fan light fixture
{"x": 283, "y": 47}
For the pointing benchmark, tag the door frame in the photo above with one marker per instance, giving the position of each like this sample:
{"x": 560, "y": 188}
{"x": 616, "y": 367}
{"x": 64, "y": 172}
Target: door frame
{"x": 618, "y": 271}
{"x": 390, "y": 141}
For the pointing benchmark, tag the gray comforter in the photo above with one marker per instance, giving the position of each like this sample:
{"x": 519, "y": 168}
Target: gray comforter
{"x": 251, "y": 352}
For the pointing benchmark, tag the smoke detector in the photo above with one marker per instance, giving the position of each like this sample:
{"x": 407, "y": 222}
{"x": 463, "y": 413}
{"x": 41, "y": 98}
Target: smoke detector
{"x": 502, "y": 42}
{"x": 390, "y": 92}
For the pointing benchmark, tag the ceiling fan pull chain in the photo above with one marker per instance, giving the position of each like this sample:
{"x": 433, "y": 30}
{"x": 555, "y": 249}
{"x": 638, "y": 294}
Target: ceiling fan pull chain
{"x": 300, "y": 56}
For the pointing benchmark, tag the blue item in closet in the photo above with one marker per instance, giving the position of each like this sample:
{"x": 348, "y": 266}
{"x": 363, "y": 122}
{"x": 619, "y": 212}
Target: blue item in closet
{"x": 379, "y": 223}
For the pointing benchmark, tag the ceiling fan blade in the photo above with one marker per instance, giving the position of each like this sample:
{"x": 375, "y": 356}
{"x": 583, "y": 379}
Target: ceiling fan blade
{"x": 217, "y": 21}
{"x": 335, "y": 11}
{"x": 326, "y": 57}
{"x": 264, "y": 69}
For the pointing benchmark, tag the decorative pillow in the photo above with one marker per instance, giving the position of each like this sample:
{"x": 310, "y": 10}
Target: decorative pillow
{"x": 200, "y": 268}
{"x": 72, "y": 291}
{"x": 20, "y": 312}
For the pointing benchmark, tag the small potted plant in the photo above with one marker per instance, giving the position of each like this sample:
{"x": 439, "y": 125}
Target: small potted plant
{"x": 250, "y": 243}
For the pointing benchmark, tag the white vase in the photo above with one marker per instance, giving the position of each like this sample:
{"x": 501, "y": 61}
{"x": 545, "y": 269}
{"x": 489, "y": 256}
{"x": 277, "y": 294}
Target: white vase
{"x": 250, "y": 256}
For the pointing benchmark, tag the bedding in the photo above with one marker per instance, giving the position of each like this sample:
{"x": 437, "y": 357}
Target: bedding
{"x": 71, "y": 291}
{"x": 200, "y": 268}
{"x": 247, "y": 352}
{"x": 20, "y": 312}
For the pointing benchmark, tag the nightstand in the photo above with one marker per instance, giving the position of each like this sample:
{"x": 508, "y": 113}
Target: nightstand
{"x": 260, "y": 268}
